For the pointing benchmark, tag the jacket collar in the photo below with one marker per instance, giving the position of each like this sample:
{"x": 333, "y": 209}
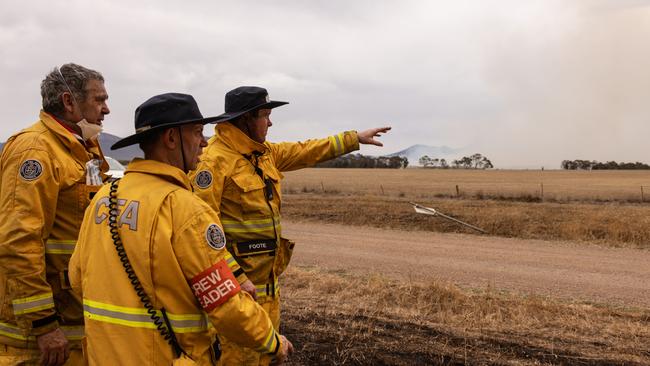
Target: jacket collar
{"x": 76, "y": 147}
{"x": 165, "y": 171}
{"x": 238, "y": 141}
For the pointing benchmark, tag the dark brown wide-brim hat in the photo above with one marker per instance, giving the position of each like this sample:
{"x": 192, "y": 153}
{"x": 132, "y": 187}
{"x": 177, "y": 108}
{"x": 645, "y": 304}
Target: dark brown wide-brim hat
{"x": 163, "y": 111}
{"x": 247, "y": 99}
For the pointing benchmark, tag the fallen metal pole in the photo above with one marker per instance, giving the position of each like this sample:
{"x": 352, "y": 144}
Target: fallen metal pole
{"x": 433, "y": 212}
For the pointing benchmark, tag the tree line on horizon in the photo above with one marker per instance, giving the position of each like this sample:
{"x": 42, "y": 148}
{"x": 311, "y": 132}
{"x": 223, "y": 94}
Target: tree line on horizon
{"x": 364, "y": 161}
{"x": 475, "y": 161}
{"x": 595, "y": 165}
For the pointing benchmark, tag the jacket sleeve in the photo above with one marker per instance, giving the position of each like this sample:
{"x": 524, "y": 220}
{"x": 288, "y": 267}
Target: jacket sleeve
{"x": 74, "y": 266}
{"x": 28, "y": 199}
{"x": 296, "y": 155}
{"x": 208, "y": 183}
{"x": 206, "y": 264}
{"x": 74, "y": 269}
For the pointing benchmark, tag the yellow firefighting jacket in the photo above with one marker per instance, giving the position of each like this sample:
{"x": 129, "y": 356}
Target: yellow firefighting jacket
{"x": 43, "y": 195}
{"x": 240, "y": 179}
{"x": 176, "y": 246}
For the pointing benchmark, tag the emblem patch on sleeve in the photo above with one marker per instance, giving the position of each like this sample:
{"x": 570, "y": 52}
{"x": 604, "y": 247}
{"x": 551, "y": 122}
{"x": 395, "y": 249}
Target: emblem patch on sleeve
{"x": 203, "y": 179}
{"x": 215, "y": 237}
{"x": 215, "y": 285}
{"x": 31, "y": 169}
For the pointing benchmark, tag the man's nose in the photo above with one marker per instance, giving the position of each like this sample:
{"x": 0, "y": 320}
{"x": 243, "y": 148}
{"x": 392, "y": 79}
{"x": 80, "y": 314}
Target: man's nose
{"x": 105, "y": 109}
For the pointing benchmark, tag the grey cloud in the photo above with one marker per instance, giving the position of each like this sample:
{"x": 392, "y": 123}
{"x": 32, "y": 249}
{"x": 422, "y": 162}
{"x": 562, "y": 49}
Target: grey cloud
{"x": 526, "y": 83}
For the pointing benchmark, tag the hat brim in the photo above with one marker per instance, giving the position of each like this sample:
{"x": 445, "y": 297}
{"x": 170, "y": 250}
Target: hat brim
{"x": 138, "y": 136}
{"x": 230, "y": 116}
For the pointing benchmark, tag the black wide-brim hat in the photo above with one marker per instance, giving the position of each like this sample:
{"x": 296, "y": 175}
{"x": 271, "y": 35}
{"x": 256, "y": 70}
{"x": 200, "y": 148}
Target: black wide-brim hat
{"x": 246, "y": 99}
{"x": 163, "y": 111}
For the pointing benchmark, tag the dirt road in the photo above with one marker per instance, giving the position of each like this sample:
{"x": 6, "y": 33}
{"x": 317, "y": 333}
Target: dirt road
{"x": 567, "y": 270}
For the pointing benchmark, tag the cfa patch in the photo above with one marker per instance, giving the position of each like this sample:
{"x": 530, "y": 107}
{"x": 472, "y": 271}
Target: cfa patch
{"x": 215, "y": 285}
{"x": 31, "y": 169}
{"x": 215, "y": 237}
{"x": 203, "y": 179}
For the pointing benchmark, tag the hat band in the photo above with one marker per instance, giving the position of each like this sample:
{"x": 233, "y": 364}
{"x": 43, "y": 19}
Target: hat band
{"x": 252, "y": 104}
{"x": 142, "y": 129}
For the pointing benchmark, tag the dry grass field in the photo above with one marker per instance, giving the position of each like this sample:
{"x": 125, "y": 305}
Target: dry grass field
{"x": 558, "y": 185}
{"x": 347, "y": 318}
{"x": 342, "y": 319}
{"x": 586, "y": 206}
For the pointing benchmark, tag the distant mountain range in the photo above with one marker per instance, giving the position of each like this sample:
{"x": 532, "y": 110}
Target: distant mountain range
{"x": 415, "y": 152}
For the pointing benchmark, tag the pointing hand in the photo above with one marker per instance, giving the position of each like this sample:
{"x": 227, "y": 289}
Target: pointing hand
{"x": 367, "y": 137}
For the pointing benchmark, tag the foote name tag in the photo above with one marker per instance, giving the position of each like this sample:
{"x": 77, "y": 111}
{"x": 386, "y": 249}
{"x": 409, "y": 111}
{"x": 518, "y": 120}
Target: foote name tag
{"x": 215, "y": 285}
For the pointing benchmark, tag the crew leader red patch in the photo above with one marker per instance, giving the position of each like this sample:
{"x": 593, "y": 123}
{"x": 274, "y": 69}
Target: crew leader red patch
{"x": 215, "y": 285}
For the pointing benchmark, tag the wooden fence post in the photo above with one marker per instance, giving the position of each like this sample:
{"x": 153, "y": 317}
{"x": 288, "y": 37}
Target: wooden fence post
{"x": 457, "y": 191}
{"x": 382, "y": 190}
{"x": 642, "y": 198}
{"x": 542, "y": 187}
{"x": 322, "y": 186}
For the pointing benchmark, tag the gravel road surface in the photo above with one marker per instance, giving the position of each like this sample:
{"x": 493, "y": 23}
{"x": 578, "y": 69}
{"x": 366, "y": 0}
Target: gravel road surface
{"x": 573, "y": 271}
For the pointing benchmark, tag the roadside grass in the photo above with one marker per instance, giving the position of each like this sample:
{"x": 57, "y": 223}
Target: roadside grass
{"x": 337, "y": 318}
{"x": 611, "y": 224}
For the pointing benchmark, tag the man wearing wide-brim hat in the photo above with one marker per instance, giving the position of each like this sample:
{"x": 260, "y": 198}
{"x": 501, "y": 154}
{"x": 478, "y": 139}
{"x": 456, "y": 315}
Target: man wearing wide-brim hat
{"x": 151, "y": 257}
{"x": 239, "y": 176}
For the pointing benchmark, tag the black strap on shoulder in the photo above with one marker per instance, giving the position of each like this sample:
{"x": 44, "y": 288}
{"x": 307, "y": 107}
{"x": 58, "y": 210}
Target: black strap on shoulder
{"x": 162, "y": 325}
{"x": 268, "y": 184}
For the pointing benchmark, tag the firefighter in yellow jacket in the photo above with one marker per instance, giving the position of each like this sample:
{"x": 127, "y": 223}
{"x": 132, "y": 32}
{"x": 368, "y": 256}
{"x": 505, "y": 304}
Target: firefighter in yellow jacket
{"x": 239, "y": 176}
{"x": 150, "y": 226}
{"x": 48, "y": 171}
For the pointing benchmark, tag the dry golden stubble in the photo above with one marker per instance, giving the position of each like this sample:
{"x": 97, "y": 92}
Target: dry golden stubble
{"x": 339, "y": 318}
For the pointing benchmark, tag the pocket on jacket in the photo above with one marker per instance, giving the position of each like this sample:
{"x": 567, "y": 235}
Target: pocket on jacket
{"x": 85, "y": 194}
{"x": 250, "y": 188}
{"x": 283, "y": 255}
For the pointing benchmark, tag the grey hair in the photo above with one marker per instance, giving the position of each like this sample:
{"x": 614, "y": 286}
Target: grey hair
{"x": 54, "y": 85}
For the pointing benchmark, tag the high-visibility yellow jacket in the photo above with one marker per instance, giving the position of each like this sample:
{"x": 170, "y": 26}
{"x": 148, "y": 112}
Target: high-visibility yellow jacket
{"x": 176, "y": 246}
{"x": 249, "y": 200}
{"x": 43, "y": 195}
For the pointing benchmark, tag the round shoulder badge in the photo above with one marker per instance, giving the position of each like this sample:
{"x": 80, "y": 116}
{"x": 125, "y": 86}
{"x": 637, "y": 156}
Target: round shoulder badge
{"x": 214, "y": 236}
{"x": 203, "y": 179}
{"x": 31, "y": 169}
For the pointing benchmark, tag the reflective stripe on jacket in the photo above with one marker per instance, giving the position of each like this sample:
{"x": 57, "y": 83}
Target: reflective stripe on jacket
{"x": 249, "y": 204}
{"x": 43, "y": 196}
{"x": 171, "y": 238}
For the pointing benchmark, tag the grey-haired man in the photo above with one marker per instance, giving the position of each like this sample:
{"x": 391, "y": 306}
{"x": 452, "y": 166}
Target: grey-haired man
{"x": 48, "y": 173}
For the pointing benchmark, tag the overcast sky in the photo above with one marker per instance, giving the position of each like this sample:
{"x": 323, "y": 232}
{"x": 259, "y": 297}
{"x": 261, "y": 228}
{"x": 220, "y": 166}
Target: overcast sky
{"x": 526, "y": 83}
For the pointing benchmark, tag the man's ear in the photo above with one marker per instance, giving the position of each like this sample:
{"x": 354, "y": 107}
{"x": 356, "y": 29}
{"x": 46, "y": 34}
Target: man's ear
{"x": 68, "y": 102}
{"x": 169, "y": 138}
